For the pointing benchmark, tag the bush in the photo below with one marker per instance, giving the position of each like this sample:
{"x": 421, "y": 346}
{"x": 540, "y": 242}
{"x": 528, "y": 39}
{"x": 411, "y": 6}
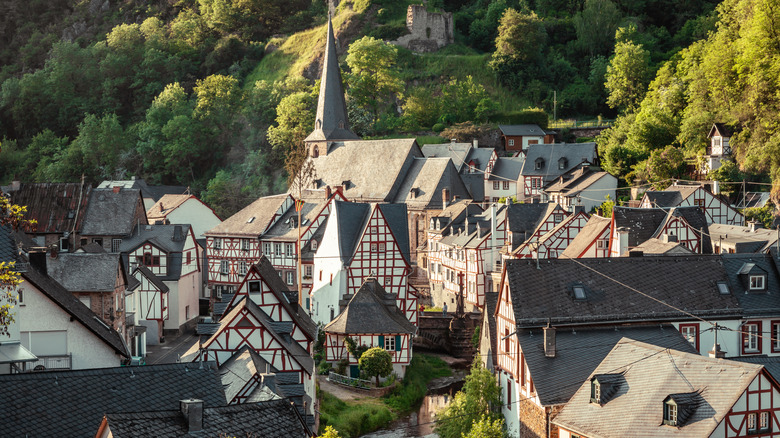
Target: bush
{"x": 352, "y": 419}
{"x": 323, "y": 368}
{"x": 407, "y": 396}
{"x": 376, "y": 362}
{"x": 534, "y": 116}
{"x": 439, "y": 127}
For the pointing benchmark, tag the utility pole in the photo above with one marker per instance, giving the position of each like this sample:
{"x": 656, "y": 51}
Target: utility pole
{"x": 555, "y": 105}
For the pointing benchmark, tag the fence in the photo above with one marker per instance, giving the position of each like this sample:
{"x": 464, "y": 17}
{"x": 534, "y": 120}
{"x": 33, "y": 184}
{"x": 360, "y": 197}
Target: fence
{"x": 596, "y": 123}
{"x": 46, "y": 363}
{"x": 349, "y": 381}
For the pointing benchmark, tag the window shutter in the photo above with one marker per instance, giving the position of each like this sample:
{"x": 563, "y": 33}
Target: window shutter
{"x": 381, "y": 341}
{"x": 397, "y": 342}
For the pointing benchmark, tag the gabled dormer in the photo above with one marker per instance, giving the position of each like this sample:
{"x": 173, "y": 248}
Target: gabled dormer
{"x": 562, "y": 163}
{"x": 753, "y": 277}
{"x": 720, "y": 137}
{"x": 679, "y": 407}
{"x": 539, "y": 163}
{"x": 604, "y": 386}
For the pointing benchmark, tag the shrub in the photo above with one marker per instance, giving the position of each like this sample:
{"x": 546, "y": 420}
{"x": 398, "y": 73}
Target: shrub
{"x": 535, "y": 116}
{"x": 439, "y": 127}
{"x": 376, "y": 362}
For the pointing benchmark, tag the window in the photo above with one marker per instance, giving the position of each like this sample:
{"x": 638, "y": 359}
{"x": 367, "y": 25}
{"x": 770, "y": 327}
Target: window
{"x": 254, "y": 286}
{"x": 224, "y": 267}
{"x": 757, "y": 282}
{"x": 511, "y": 142}
{"x": 374, "y": 247}
{"x": 86, "y": 300}
{"x": 522, "y": 370}
{"x": 751, "y": 422}
{"x": 381, "y": 247}
{"x": 670, "y": 413}
{"x": 602, "y": 244}
{"x": 314, "y": 245}
{"x": 750, "y": 337}
{"x": 539, "y": 163}
{"x": 20, "y": 296}
{"x": 775, "y": 336}
{"x": 64, "y": 244}
{"x": 508, "y": 394}
{"x": 189, "y": 257}
{"x": 579, "y": 292}
{"x": 557, "y": 217}
{"x": 723, "y": 288}
{"x": 530, "y": 142}
{"x": 698, "y": 202}
{"x": 389, "y": 343}
{"x": 244, "y": 244}
{"x": 307, "y": 270}
{"x": 506, "y": 341}
{"x": 536, "y": 183}
{"x": 716, "y": 141}
{"x": 242, "y": 267}
{"x": 98, "y": 241}
{"x": 115, "y": 244}
{"x": 290, "y": 277}
{"x": 505, "y": 185}
{"x": 186, "y": 312}
{"x": 217, "y": 244}
{"x": 763, "y": 421}
{"x": 266, "y": 248}
{"x": 278, "y": 249}
{"x": 289, "y": 250}
{"x": 388, "y": 281}
{"x": 595, "y": 391}
{"x": 496, "y": 185}
{"x": 691, "y": 333}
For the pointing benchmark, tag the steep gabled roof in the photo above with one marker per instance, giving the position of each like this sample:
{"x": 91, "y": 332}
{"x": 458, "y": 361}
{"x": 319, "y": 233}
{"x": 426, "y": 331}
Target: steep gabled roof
{"x": 272, "y": 419}
{"x": 457, "y": 152}
{"x": 507, "y": 168}
{"x": 331, "y": 122}
{"x": 642, "y": 223}
{"x": 252, "y": 220}
{"x": 663, "y": 198}
{"x": 147, "y": 191}
{"x": 71, "y": 403}
{"x": 284, "y": 228}
{"x": 546, "y": 292}
{"x": 75, "y": 308}
{"x": 513, "y": 130}
{"x": 697, "y": 220}
{"x": 524, "y": 219}
{"x": 352, "y": 219}
{"x": 371, "y": 311}
{"x": 398, "y": 222}
{"x": 595, "y": 226}
{"x": 85, "y": 272}
{"x": 578, "y": 352}
{"x": 167, "y": 204}
{"x": 156, "y": 281}
{"x": 721, "y": 130}
{"x": 574, "y": 153}
{"x": 169, "y": 238}
{"x": 652, "y": 374}
{"x": 58, "y": 207}
{"x": 575, "y": 181}
{"x": 111, "y": 213}
{"x": 424, "y": 181}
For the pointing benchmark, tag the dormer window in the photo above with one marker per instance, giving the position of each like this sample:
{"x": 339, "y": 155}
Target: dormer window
{"x": 757, "y": 282}
{"x": 539, "y": 163}
{"x": 603, "y": 387}
{"x": 670, "y": 413}
{"x": 562, "y": 163}
{"x": 679, "y": 407}
{"x": 341, "y": 124}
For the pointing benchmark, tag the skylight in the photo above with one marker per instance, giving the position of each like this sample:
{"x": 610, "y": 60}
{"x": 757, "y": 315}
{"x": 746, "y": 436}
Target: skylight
{"x": 251, "y": 219}
{"x": 723, "y": 288}
{"x": 579, "y": 293}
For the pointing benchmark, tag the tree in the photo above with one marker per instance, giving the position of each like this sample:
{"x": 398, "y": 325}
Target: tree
{"x": 11, "y": 217}
{"x": 294, "y": 119}
{"x": 484, "y": 428}
{"x": 330, "y": 432}
{"x": 627, "y": 76}
{"x": 596, "y": 26}
{"x": 520, "y": 44}
{"x": 478, "y": 401}
{"x": 661, "y": 166}
{"x": 376, "y": 362}
{"x": 373, "y": 79}
{"x": 607, "y": 206}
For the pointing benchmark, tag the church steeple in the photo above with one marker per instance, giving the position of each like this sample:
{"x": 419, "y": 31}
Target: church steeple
{"x": 331, "y": 123}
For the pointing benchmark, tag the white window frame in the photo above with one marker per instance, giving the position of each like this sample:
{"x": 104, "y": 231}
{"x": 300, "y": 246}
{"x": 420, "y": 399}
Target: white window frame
{"x": 266, "y": 248}
{"x": 289, "y": 250}
{"x": 757, "y": 282}
{"x": 115, "y": 244}
{"x": 245, "y": 244}
{"x": 602, "y": 244}
{"x": 277, "y": 249}
{"x": 290, "y": 277}
{"x": 690, "y": 333}
{"x": 496, "y": 185}
{"x": 307, "y": 271}
{"x": 224, "y": 267}
{"x": 511, "y": 142}
{"x": 390, "y": 341}
{"x": 242, "y": 269}
{"x": 217, "y": 244}
{"x": 671, "y": 413}
{"x": 751, "y": 331}
{"x": 752, "y": 425}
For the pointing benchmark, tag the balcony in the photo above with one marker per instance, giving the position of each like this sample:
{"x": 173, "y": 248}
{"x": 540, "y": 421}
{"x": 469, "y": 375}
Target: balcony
{"x": 49, "y": 363}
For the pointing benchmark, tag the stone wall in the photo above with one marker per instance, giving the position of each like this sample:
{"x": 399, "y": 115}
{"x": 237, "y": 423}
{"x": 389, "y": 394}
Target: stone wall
{"x": 533, "y": 421}
{"x": 428, "y": 31}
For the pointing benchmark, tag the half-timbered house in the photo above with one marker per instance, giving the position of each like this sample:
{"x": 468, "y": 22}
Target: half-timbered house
{"x": 171, "y": 253}
{"x": 362, "y": 240}
{"x": 647, "y": 390}
{"x": 518, "y": 138}
{"x": 234, "y": 245}
{"x": 266, "y": 317}
{"x": 679, "y": 195}
{"x": 631, "y": 227}
{"x": 184, "y": 209}
{"x": 150, "y": 194}
{"x": 370, "y": 317}
{"x": 592, "y": 240}
{"x": 720, "y": 147}
{"x": 585, "y": 187}
{"x": 738, "y": 239}
{"x": 545, "y": 163}
{"x": 147, "y": 305}
{"x": 553, "y": 243}
{"x": 503, "y": 179}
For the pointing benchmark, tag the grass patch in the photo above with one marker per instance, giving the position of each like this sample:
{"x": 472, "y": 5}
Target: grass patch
{"x": 430, "y": 139}
{"x": 353, "y": 419}
{"x": 407, "y": 397}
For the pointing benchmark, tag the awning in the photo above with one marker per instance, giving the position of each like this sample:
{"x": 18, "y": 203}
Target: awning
{"x": 15, "y": 352}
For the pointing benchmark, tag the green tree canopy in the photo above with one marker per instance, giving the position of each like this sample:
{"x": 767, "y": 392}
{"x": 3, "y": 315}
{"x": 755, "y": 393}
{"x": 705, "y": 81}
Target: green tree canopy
{"x": 627, "y": 76}
{"x": 478, "y": 401}
{"x": 373, "y": 78}
{"x": 596, "y": 26}
{"x": 376, "y": 362}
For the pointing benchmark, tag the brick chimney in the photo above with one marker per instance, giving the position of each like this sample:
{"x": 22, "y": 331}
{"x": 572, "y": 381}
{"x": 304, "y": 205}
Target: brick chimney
{"x": 445, "y": 198}
{"x": 328, "y": 192}
{"x": 192, "y": 409}
{"x": 549, "y": 340}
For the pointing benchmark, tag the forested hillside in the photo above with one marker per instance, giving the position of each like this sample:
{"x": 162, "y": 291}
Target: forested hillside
{"x": 214, "y": 94}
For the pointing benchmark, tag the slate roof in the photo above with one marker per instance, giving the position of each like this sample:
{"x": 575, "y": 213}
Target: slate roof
{"x": 162, "y": 236}
{"x": 273, "y": 419}
{"x": 457, "y": 152}
{"x": 398, "y": 222}
{"x": 111, "y": 214}
{"x": 546, "y": 293}
{"x": 373, "y": 169}
{"x": 75, "y": 308}
{"x": 314, "y": 201}
{"x": 513, "y": 130}
{"x": 147, "y": 191}
{"x": 574, "y": 153}
{"x": 755, "y": 199}
{"x": 524, "y": 219}
{"x": 650, "y": 375}
{"x": 156, "y": 281}
{"x": 84, "y": 272}
{"x": 353, "y": 218}
{"x": 755, "y": 304}
{"x": 331, "y": 107}
{"x": 72, "y": 403}
{"x": 592, "y": 229}
{"x": 577, "y": 180}
{"x": 371, "y": 311}
{"x": 58, "y": 207}
{"x": 263, "y": 210}
{"x": 428, "y": 177}
{"x": 489, "y": 312}
{"x": 742, "y": 238}
{"x": 697, "y": 220}
{"x": 663, "y": 198}
{"x": 243, "y": 366}
{"x": 720, "y": 129}
{"x": 507, "y": 168}
{"x": 771, "y": 364}
{"x": 656, "y": 246}
{"x": 579, "y": 352}
{"x": 642, "y": 223}
{"x": 7, "y": 245}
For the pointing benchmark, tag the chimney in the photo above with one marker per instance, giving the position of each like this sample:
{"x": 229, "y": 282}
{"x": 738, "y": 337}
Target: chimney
{"x": 717, "y": 352}
{"x": 508, "y": 200}
{"x": 328, "y": 192}
{"x": 37, "y": 257}
{"x": 178, "y": 234}
{"x": 549, "y": 340}
{"x": 54, "y": 250}
{"x": 445, "y": 198}
{"x": 453, "y": 140}
{"x": 117, "y": 189}
{"x": 753, "y": 225}
{"x": 622, "y": 234}
{"x": 600, "y": 212}
{"x": 192, "y": 409}
{"x": 667, "y": 238}
{"x": 475, "y": 143}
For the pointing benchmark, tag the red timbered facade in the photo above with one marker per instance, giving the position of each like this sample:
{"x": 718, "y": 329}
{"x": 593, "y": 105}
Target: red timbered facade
{"x": 717, "y": 210}
{"x": 554, "y": 243}
{"x": 592, "y": 241}
{"x": 234, "y": 245}
{"x": 149, "y": 300}
{"x": 756, "y": 412}
{"x": 362, "y": 241}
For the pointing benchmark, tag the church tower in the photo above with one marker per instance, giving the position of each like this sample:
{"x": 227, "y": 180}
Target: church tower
{"x": 331, "y": 123}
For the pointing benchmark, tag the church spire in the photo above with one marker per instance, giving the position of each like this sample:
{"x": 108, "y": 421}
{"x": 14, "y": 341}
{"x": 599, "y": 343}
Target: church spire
{"x": 331, "y": 123}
